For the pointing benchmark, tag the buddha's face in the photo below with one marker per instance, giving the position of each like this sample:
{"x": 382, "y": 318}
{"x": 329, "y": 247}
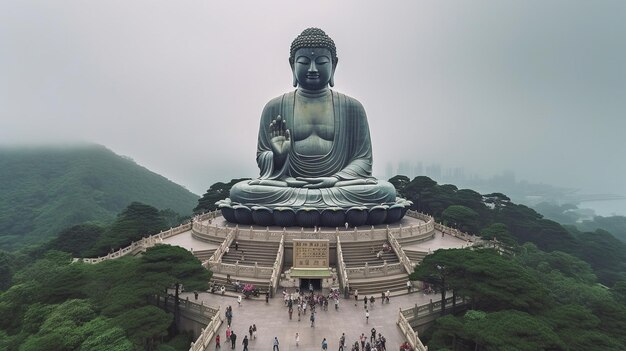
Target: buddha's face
{"x": 313, "y": 68}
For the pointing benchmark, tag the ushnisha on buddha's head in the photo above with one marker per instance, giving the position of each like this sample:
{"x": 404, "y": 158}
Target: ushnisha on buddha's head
{"x": 313, "y": 59}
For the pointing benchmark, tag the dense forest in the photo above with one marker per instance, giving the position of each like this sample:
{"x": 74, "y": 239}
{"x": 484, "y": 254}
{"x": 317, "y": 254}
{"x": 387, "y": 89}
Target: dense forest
{"x": 45, "y": 190}
{"x": 554, "y": 288}
{"x": 57, "y": 305}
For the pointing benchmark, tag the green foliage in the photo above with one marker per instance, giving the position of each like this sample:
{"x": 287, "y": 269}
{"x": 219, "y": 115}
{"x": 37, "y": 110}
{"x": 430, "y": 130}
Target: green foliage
{"x": 76, "y": 240}
{"x": 136, "y": 221}
{"x": 461, "y": 217}
{"x": 218, "y": 191}
{"x": 615, "y": 225}
{"x": 44, "y": 190}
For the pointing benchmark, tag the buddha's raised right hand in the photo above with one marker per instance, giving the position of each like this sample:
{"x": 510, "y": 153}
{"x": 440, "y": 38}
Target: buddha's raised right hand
{"x": 280, "y": 138}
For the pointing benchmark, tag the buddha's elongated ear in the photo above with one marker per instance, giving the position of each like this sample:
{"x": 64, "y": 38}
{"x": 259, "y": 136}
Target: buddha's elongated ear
{"x": 331, "y": 82}
{"x": 293, "y": 72}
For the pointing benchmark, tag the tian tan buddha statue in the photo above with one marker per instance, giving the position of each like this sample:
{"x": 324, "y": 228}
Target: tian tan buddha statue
{"x": 314, "y": 153}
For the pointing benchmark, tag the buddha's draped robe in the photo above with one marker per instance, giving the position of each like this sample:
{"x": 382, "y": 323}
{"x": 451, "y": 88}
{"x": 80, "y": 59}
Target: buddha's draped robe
{"x": 350, "y": 158}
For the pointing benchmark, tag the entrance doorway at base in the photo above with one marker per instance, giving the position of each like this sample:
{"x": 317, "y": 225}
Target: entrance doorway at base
{"x": 306, "y": 284}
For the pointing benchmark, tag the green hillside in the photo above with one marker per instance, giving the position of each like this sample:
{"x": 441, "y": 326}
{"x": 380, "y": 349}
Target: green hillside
{"x": 44, "y": 190}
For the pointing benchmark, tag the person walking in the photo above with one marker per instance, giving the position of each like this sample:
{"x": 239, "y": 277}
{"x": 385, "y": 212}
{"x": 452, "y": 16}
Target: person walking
{"x": 382, "y": 297}
{"x": 408, "y": 286}
{"x": 250, "y": 331}
{"x": 290, "y": 312}
{"x": 275, "y": 348}
{"x": 363, "y": 338}
{"x": 365, "y": 302}
{"x": 228, "y": 332}
{"x": 324, "y": 344}
{"x": 245, "y": 343}
{"x": 373, "y": 336}
{"x": 388, "y": 295}
{"x": 217, "y": 342}
{"x": 367, "y": 317}
{"x": 299, "y": 312}
{"x": 342, "y": 341}
{"x": 297, "y": 339}
{"x": 233, "y": 340}
{"x": 239, "y": 300}
{"x": 356, "y": 296}
{"x": 254, "y": 331}
{"x": 312, "y": 319}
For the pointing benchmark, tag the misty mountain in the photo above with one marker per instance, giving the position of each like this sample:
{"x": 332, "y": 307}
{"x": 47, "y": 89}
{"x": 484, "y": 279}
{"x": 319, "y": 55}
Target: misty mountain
{"x": 46, "y": 189}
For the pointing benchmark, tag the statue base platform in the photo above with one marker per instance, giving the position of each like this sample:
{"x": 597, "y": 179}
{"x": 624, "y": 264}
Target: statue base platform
{"x": 313, "y": 217}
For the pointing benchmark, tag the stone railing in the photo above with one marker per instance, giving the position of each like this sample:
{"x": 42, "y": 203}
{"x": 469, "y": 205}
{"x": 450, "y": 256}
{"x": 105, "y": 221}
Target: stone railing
{"x": 410, "y": 334}
{"x": 341, "y": 265}
{"x": 207, "y": 334}
{"x": 404, "y": 259}
{"x": 278, "y": 267}
{"x": 241, "y": 270}
{"x": 216, "y": 232}
{"x": 456, "y": 233}
{"x": 374, "y": 271}
{"x": 221, "y": 250}
{"x": 139, "y": 246}
{"x": 409, "y": 317}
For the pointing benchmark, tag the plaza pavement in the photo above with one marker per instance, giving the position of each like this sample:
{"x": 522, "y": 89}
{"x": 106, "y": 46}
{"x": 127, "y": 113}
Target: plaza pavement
{"x": 273, "y": 320}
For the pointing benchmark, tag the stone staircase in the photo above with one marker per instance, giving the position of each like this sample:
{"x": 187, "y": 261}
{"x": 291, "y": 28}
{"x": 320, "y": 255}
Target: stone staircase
{"x": 203, "y": 255}
{"x": 415, "y": 256}
{"x": 356, "y": 254}
{"x": 374, "y": 286}
{"x": 261, "y": 252}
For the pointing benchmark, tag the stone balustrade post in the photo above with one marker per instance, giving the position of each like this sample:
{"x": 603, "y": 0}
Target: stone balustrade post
{"x": 366, "y": 270}
{"x": 385, "y": 268}
{"x": 256, "y": 270}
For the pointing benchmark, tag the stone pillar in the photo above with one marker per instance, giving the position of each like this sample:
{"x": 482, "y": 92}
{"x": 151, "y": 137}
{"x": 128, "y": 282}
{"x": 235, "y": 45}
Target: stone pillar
{"x": 256, "y": 270}
{"x": 366, "y": 270}
{"x": 385, "y": 268}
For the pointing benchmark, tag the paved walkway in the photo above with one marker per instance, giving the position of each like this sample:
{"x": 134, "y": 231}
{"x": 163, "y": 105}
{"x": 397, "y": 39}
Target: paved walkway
{"x": 273, "y": 320}
{"x": 438, "y": 242}
{"x": 186, "y": 241}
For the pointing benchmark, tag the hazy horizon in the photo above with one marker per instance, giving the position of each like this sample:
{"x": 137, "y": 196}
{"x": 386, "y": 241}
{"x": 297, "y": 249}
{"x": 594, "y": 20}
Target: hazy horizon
{"x": 532, "y": 87}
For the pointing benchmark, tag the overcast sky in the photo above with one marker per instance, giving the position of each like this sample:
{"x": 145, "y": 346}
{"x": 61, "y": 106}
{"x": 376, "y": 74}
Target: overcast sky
{"x": 536, "y": 87}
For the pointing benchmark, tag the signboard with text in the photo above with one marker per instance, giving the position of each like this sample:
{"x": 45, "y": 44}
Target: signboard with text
{"x": 310, "y": 253}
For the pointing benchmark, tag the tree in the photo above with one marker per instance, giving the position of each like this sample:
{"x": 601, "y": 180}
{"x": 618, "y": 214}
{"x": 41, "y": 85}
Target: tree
{"x": 76, "y": 239}
{"x": 168, "y": 266}
{"x": 218, "y": 191}
{"x": 400, "y": 182}
{"x": 461, "y": 217}
{"x": 135, "y": 222}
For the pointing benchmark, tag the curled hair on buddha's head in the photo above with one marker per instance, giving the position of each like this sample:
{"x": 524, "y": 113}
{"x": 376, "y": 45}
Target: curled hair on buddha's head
{"x": 313, "y": 38}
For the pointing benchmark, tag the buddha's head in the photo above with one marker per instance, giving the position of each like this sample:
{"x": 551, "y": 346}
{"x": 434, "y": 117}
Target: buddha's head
{"x": 313, "y": 59}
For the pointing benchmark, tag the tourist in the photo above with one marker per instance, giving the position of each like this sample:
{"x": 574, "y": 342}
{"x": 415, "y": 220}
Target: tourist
{"x": 356, "y": 296}
{"x": 267, "y": 297}
{"x": 373, "y": 335}
{"x": 233, "y": 340}
{"x": 217, "y": 342}
{"x": 290, "y": 312}
{"x": 336, "y": 304}
{"x": 312, "y": 319}
{"x": 363, "y": 338}
{"x": 382, "y": 297}
{"x": 297, "y": 340}
{"x": 324, "y": 344}
{"x": 245, "y": 343}
{"x": 236, "y": 246}
{"x": 222, "y": 290}
{"x": 228, "y": 332}
{"x": 372, "y": 300}
{"x": 299, "y": 312}
{"x": 368, "y": 347}
{"x": 239, "y": 300}
{"x": 367, "y": 316}
{"x": 275, "y": 344}
{"x": 250, "y": 332}
{"x": 408, "y": 286}
{"x": 388, "y": 295}
{"x": 254, "y": 331}
{"x": 342, "y": 341}
{"x": 195, "y": 295}
{"x": 365, "y": 301}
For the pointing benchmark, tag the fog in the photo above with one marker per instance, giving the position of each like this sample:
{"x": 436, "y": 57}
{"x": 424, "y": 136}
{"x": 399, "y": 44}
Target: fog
{"x": 535, "y": 87}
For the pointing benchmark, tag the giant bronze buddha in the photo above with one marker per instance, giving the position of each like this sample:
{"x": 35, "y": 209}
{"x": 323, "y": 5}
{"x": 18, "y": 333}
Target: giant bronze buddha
{"x": 314, "y": 153}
